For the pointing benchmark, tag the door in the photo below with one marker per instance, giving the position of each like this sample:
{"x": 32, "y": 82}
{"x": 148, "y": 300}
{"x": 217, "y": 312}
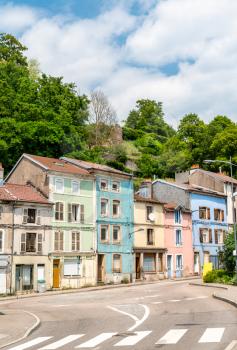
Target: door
{"x": 169, "y": 266}
{"x": 101, "y": 268}
{"x": 179, "y": 265}
{"x": 27, "y": 277}
{"x": 138, "y": 269}
{"x": 196, "y": 263}
{"x": 2, "y": 281}
{"x": 206, "y": 258}
{"x": 56, "y": 273}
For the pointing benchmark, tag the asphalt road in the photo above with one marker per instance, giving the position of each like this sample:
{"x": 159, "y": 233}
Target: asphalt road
{"x": 166, "y": 315}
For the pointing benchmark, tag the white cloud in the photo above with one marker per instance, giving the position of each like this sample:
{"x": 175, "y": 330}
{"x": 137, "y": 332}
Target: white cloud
{"x": 88, "y": 53}
{"x": 16, "y": 18}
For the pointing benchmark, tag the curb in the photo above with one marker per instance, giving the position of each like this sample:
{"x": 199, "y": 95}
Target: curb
{"x": 227, "y": 300}
{"x": 28, "y": 331}
{"x": 207, "y": 285}
{"x": 93, "y": 289}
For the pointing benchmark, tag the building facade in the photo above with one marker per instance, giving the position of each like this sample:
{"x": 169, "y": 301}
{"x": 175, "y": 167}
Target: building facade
{"x": 72, "y": 250}
{"x": 149, "y": 241}
{"x": 114, "y": 222}
{"x": 25, "y": 235}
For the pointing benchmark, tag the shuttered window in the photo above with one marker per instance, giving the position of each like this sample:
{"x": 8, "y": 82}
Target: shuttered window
{"x": 149, "y": 262}
{"x": 1, "y": 241}
{"x": 72, "y": 267}
{"x": 59, "y": 211}
{"x": 75, "y": 241}
{"x": 58, "y": 240}
{"x": 40, "y": 243}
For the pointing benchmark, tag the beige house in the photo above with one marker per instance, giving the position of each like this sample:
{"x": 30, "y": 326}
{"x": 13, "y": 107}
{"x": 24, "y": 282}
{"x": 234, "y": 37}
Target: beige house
{"x": 25, "y": 234}
{"x": 149, "y": 248}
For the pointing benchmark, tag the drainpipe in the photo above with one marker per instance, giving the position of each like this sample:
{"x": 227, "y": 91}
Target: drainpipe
{"x": 12, "y": 244}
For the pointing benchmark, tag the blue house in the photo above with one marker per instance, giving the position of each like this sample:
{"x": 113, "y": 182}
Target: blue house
{"x": 114, "y": 221}
{"x": 209, "y": 220}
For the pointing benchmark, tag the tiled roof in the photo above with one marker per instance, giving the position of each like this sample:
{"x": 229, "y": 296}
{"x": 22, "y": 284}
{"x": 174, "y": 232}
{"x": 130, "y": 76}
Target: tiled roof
{"x": 58, "y": 165}
{"x": 173, "y": 206}
{"x": 94, "y": 166}
{"x": 21, "y": 193}
{"x": 139, "y": 198}
{"x": 218, "y": 176}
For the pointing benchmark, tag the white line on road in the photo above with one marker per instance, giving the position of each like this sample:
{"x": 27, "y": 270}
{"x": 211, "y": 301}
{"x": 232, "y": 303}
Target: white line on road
{"x": 173, "y": 300}
{"x": 124, "y": 313}
{"x": 212, "y": 335}
{"x": 231, "y": 345}
{"x": 172, "y": 336}
{"x": 97, "y": 340}
{"x": 30, "y": 343}
{"x": 139, "y": 322}
{"x": 133, "y": 339}
{"x": 62, "y": 342}
{"x": 157, "y": 302}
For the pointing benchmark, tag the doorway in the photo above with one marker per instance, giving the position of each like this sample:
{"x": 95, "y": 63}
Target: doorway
{"x": 138, "y": 267}
{"x": 169, "y": 266}
{"x": 56, "y": 273}
{"x": 101, "y": 267}
{"x": 24, "y": 277}
{"x": 196, "y": 263}
{"x": 179, "y": 266}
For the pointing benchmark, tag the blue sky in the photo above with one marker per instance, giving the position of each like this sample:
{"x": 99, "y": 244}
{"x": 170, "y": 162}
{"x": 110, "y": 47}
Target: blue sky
{"x": 175, "y": 51}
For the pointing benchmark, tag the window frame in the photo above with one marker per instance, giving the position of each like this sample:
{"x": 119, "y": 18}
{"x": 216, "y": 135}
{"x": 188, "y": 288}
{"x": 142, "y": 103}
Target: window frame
{"x": 118, "y": 241}
{"x": 118, "y": 202}
{"x": 152, "y": 242}
{"x": 27, "y": 235}
{"x": 107, "y": 233}
{"x": 78, "y": 263}
{"x": 118, "y": 186}
{"x": 146, "y": 255}
{"x": 115, "y": 270}
{"x": 178, "y": 244}
{"x": 73, "y": 182}
{"x": 55, "y": 212}
{"x": 2, "y": 241}
{"x": 207, "y": 213}
{"x": 149, "y": 212}
{"x": 179, "y": 213}
{"x": 58, "y": 179}
{"x": 1, "y": 211}
{"x": 107, "y": 207}
{"x": 107, "y": 184}
{"x": 77, "y": 242}
{"x": 59, "y": 240}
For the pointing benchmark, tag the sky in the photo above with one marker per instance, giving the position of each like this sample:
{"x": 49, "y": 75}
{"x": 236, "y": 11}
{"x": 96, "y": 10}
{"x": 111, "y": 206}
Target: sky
{"x": 180, "y": 52}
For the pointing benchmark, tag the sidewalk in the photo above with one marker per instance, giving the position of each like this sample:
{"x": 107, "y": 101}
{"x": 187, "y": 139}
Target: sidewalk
{"x": 24, "y": 324}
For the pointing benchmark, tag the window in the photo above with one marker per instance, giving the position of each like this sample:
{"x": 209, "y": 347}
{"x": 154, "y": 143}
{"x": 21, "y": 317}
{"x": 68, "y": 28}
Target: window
{"x": 149, "y": 263}
{"x": 73, "y": 212}
{"x": 205, "y": 235}
{"x": 104, "y": 232}
{"x": 75, "y": 187}
{"x": 1, "y": 211}
{"x": 75, "y": 241}
{"x": 72, "y": 267}
{"x": 204, "y": 213}
{"x": 219, "y": 215}
{"x": 116, "y": 234}
{"x": 59, "y": 211}
{"x": 59, "y": 185}
{"x": 29, "y": 216}
{"x": 177, "y": 216}
{"x": 150, "y": 236}
{"x": 219, "y": 236}
{"x": 149, "y": 210}
{"x": 104, "y": 185}
{"x": 116, "y": 208}
{"x": 1, "y": 241}
{"x": 115, "y": 186}
{"x": 117, "y": 263}
{"x": 104, "y": 207}
{"x": 28, "y": 242}
{"x": 179, "y": 262}
{"x": 178, "y": 237}
{"x": 58, "y": 240}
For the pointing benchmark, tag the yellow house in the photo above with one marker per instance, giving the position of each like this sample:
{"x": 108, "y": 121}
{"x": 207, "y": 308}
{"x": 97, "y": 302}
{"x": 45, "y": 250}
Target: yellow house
{"x": 149, "y": 246}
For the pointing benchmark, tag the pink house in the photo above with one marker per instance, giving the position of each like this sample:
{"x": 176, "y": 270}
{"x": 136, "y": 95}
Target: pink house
{"x": 178, "y": 241}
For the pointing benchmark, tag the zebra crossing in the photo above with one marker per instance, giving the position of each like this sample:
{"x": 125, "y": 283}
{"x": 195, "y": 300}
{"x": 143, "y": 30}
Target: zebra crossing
{"x": 173, "y": 336}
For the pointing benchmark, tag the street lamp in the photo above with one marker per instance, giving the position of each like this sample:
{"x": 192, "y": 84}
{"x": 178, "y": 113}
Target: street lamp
{"x": 233, "y": 195}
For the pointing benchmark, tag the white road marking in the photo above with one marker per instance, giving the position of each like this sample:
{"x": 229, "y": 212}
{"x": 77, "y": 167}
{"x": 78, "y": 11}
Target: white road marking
{"x": 174, "y": 300}
{"x": 30, "y": 343}
{"x": 212, "y": 335}
{"x": 157, "y": 302}
{"x": 133, "y": 339}
{"x": 97, "y": 340}
{"x": 3, "y": 336}
{"x": 172, "y": 336}
{"x": 231, "y": 345}
{"x": 62, "y": 342}
{"x": 135, "y": 318}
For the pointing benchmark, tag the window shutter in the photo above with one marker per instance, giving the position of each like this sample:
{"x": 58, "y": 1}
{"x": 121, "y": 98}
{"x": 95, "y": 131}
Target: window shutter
{"x": 216, "y": 236}
{"x": 61, "y": 240}
{"x": 25, "y": 216}
{"x": 208, "y": 213}
{"x": 38, "y": 219}
{"x": 40, "y": 242}
{"x": 210, "y": 235}
{"x": 23, "y": 242}
{"x": 223, "y": 215}
{"x": 82, "y": 214}
{"x": 200, "y": 235}
{"x": 69, "y": 209}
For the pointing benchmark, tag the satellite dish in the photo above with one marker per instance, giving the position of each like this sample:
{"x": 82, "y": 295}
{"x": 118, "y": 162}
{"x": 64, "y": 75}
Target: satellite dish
{"x": 151, "y": 217}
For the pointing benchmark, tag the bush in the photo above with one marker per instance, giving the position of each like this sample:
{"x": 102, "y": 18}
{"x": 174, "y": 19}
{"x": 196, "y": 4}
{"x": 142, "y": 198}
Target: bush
{"x": 125, "y": 280}
{"x": 210, "y": 277}
{"x": 218, "y": 276}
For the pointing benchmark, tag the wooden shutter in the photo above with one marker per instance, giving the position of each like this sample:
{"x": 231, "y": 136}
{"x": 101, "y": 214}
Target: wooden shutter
{"x": 23, "y": 242}
{"x": 61, "y": 211}
{"x": 222, "y": 215}
{"x": 216, "y": 236}
{"x": 61, "y": 240}
{"x": 69, "y": 211}
{"x": 210, "y": 235}
{"x": 25, "y": 216}
{"x": 82, "y": 214}
{"x": 208, "y": 214}
{"x": 200, "y": 235}
{"x": 38, "y": 219}
{"x": 40, "y": 242}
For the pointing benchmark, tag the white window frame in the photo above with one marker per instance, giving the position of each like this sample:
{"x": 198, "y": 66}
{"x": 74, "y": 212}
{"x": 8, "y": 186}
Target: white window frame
{"x": 59, "y": 220}
{"x": 182, "y": 261}
{"x": 181, "y": 237}
{"x": 78, "y": 267}
{"x": 120, "y": 263}
{"x": 107, "y": 207}
{"x": 76, "y": 232}
{"x": 78, "y": 184}
{"x": 119, "y": 208}
{"x": 180, "y": 211}
{"x": 107, "y": 187}
{"x": 3, "y": 234}
{"x": 118, "y": 186}
{"x": 58, "y": 179}
{"x": 118, "y": 241}
{"x": 63, "y": 241}
{"x": 107, "y": 233}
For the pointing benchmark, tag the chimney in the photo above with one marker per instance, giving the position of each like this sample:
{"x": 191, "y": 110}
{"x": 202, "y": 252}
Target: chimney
{"x": 1, "y": 174}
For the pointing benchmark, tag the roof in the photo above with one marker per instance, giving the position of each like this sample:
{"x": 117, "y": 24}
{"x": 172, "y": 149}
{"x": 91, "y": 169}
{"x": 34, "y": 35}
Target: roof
{"x": 172, "y": 206}
{"x": 21, "y": 193}
{"x": 94, "y": 166}
{"x": 139, "y": 198}
{"x": 218, "y": 176}
{"x": 58, "y": 165}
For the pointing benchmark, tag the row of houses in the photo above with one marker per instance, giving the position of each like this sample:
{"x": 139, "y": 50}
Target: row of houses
{"x": 67, "y": 223}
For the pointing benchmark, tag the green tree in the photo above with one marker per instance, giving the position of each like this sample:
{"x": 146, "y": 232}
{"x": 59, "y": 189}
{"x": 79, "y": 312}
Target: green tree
{"x": 226, "y": 256}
